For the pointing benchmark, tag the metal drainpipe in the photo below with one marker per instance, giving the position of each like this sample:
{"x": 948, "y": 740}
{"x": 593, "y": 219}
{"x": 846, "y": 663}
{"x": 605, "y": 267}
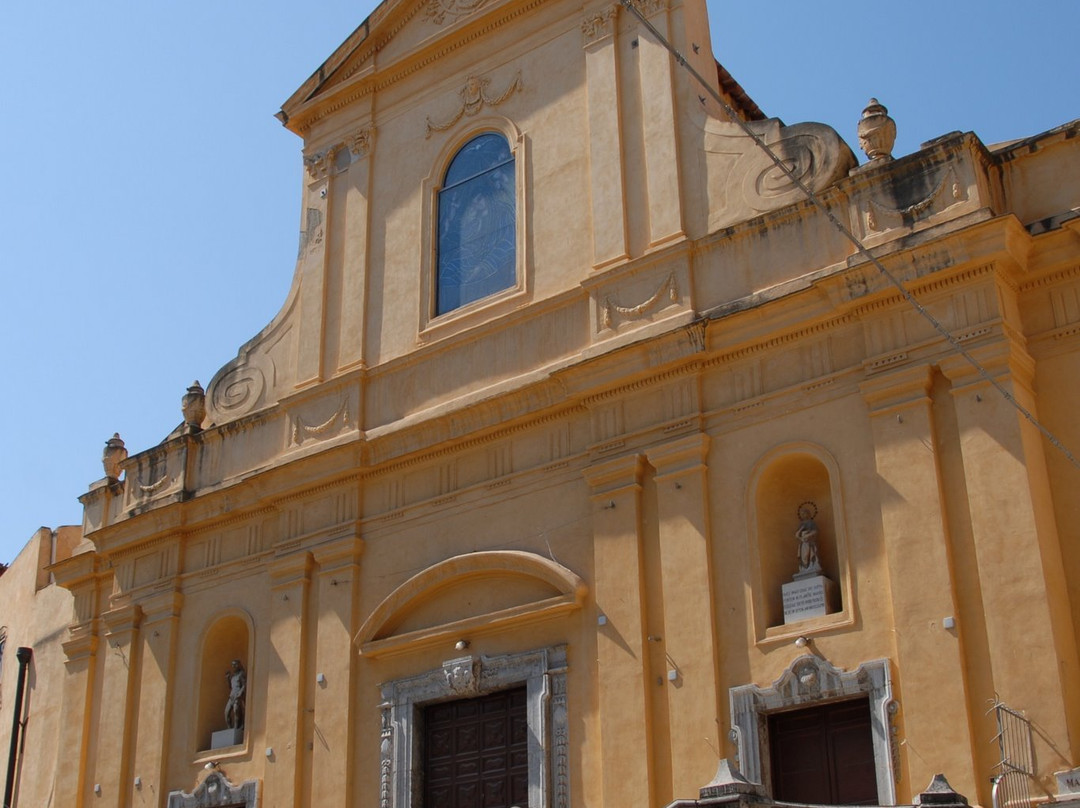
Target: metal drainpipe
{"x": 23, "y": 655}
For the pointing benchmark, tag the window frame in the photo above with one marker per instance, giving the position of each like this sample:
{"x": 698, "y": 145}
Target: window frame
{"x": 542, "y": 671}
{"x": 435, "y": 326}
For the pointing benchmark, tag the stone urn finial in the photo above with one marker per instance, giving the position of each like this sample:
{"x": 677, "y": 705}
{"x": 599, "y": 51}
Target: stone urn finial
{"x": 877, "y": 131}
{"x": 113, "y": 456}
{"x": 193, "y": 405}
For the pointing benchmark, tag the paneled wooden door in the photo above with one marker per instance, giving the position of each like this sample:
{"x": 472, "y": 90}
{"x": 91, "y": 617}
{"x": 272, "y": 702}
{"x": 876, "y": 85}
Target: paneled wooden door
{"x": 476, "y": 752}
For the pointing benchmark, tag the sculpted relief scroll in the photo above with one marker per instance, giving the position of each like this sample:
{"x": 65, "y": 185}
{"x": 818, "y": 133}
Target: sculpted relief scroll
{"x": 743, "y": 182}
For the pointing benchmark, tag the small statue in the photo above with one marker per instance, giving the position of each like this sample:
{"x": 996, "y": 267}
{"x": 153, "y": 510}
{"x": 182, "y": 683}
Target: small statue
{"x": 807, "y": 535}
{"x": 236, "y": 678}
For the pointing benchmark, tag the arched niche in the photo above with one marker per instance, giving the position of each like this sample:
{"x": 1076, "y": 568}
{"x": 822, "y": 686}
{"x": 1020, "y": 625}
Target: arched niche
{"x": 226, "y": 639}
{"x": 789, "y": 483}
{"x": 469, "y": 594}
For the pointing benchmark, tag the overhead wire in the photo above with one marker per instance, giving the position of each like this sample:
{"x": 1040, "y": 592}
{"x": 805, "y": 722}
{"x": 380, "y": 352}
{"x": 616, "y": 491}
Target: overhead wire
{"x": 851, "y": 237}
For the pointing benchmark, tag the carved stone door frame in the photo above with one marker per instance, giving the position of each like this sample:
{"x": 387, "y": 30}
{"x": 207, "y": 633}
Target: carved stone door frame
{"x": 543, "y": 672}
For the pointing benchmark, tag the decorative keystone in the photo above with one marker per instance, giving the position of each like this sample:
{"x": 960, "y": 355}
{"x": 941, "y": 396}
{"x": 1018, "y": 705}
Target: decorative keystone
{"x": 193, "y": 405}
{"x": 113, "y": 456}
{"x": 877, "y": 131}
{"x": 729, "y": 782}
{"x": 939, "y": 793}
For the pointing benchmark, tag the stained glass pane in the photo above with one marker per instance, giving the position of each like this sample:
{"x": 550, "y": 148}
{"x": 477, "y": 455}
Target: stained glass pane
{"x": 477, "y": 224}
{"x": 477, "y": 156}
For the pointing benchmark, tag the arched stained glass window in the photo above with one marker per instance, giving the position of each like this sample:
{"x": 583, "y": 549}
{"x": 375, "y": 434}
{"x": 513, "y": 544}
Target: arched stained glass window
{"x": 477, "y": 224}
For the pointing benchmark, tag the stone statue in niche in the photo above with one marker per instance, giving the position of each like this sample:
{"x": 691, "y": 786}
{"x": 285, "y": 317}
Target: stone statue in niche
{"x": 809, "y": 593}
{"x": 236, "y": 677}
{"x": 807, "y": 535}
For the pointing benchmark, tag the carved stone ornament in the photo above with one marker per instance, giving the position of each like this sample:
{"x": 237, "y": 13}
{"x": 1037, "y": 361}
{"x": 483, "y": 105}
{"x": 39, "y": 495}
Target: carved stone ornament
{"x": 877, "y": 131}
{"x": 667, "y": 290}
{"x": 319, "y": 164}
{"x": 216, "y": 790}
{"x": 438, "y": 11}
{"x": 729, "y": 781}
{"x": 360, "y": 142}
{"x": 301, "y": 431}
{"x": 238, "y": 390}
{"x": 193, "y": 405}
{"x": 598, "y": 25}
{"x": 648, "y": 8}
{"x": 880, "y": 216}
{"x": 461, "y": 676}
{"x": 113, "y": 456}
{"x": 474, "y": 96}
{"x": 743, "y": 181}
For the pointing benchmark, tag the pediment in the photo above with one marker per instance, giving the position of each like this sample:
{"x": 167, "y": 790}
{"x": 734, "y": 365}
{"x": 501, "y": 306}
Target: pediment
{"x": 470, "y": 594}
{"x": 397, "y": 32}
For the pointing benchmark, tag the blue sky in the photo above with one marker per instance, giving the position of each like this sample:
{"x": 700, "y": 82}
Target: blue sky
{"x": 149, "y": 202}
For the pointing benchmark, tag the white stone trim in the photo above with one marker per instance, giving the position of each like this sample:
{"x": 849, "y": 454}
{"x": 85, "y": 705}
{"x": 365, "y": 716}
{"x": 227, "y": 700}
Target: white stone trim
{"x": 543, "y": 672}
{"x": 811, "y": 680}
{"x": 217, "y": 790}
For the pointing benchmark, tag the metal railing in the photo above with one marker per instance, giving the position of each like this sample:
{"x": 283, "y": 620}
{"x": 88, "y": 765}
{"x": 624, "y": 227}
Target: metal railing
{"x": 1017, "y": 758}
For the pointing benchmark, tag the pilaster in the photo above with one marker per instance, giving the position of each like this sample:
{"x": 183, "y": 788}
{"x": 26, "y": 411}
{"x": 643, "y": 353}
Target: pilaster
{"x": 929, "y": 655}
{"x": 79, "y": 575}
{"x": 660, "y": 133}
{"x": 313, "y": 264}
{"x": 337, "y": 589}
{"x": 354, "y": 274}
{"x": 156, "y": 687}
{"x": 116, "y": 711}
{"x": 689, "y": 640}
{"x": 622, "y": 663}
{"x": 605, "y": 139}
{"x": 287, "y": 675}
{"x": 1032, "y": 647}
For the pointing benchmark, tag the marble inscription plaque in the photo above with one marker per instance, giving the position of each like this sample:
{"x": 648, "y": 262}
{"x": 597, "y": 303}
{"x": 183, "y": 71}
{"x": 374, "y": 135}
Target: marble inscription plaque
{"x": 808, "y": 597}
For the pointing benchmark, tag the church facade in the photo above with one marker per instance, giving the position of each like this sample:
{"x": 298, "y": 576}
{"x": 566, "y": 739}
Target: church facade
{"x": 586, "y": 452}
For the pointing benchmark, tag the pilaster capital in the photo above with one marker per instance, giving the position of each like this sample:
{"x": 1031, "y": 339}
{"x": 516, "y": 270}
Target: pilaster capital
{"x": 289, "y": 570}
{"x": 598, "y": 24}
{"x": 615, "y": 475}
{"x": 78, "y": 571}
{"x": 681, "y": 456}
{"x": 162, "y": 606}
{"x": 338, "y": 553}
{"x": 319, "y": 164}
{"x": 82, "y": 645}
{"x": 650, "y": 8}
{"x": 898, "y": 389}
{"x": 361, "y": 141}
{"x": 122, "y": 622}
{"x": 1004, "y": 359}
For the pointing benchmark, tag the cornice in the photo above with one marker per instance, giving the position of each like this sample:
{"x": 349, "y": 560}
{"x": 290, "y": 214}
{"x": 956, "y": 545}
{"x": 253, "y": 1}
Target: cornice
{"x": 692, "y": 366}
{"x": 243, "y": 517}
{"x": 321, "y": 107}
{"x": 769, "y": 343}
{"x": 125, "y": 552}
{"x": 615, "y": 474}
{"x": 1049, "y": 279}
{"x": 451, "y": 447}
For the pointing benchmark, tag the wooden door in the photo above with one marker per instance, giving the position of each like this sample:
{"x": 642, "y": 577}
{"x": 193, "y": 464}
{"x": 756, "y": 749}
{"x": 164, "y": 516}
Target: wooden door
{"x": 824, "y": 755}
{"x": 476, "y": 752}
